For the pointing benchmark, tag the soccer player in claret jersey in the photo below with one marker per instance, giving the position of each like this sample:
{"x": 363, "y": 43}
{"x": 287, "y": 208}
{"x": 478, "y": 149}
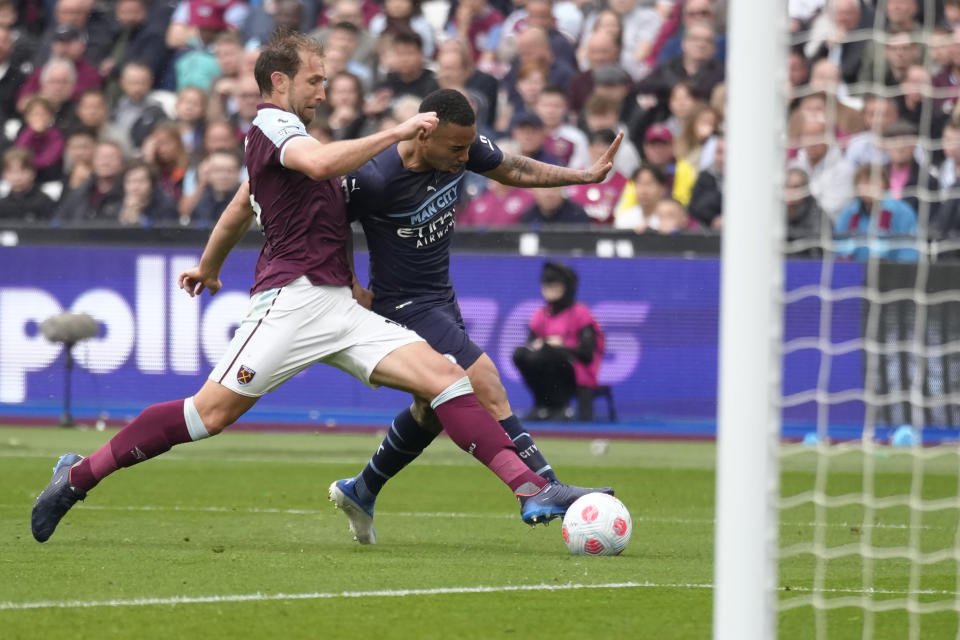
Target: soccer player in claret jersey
{"x": 302, "y": 310}
{"x": 404, "y": 198}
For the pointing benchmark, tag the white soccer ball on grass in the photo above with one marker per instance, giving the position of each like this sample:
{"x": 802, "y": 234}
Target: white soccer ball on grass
{"x": 597, "y": 525}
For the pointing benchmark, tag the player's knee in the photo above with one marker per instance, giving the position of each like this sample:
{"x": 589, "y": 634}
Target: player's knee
{"x": 425, "y": 416}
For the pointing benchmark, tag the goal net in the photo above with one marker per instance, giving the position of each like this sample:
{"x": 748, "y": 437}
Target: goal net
{"x": 838, "y": 492}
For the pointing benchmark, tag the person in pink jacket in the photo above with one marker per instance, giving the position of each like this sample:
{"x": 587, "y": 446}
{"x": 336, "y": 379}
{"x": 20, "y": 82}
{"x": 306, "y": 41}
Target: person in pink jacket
{"x": 564, "y": 347}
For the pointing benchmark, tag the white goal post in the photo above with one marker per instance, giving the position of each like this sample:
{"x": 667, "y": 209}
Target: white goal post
{"x": 751, "y": 322}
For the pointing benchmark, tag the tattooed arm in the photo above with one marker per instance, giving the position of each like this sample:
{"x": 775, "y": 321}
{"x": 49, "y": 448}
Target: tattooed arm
{"x": 521, "y": 171}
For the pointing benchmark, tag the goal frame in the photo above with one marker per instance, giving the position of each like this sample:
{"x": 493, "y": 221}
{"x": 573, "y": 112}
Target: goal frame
{"x": 751, "y": 323}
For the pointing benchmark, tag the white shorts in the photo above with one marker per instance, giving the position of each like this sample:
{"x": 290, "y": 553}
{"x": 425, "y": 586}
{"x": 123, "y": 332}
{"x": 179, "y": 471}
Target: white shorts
{"x": 288, "y": 329}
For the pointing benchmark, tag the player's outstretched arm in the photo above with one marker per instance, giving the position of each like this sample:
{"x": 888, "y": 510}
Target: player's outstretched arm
{"x": 520, "y": 171}
{"x": 230, "y": 228}
{"x": 334, "y": 159}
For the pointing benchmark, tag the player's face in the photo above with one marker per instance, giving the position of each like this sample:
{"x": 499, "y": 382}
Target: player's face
{"x": 448, "y": 147}
{"x": 306, "y": 91}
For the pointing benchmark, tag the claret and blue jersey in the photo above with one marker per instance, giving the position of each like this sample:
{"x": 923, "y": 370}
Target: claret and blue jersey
{"x": 408, "y": 217}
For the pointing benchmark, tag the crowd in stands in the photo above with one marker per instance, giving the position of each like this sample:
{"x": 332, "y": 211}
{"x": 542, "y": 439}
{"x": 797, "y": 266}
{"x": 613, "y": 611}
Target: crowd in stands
{"x": 134, "y": 112}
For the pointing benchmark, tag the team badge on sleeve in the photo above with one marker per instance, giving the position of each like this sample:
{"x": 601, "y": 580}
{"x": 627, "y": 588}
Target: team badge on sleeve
{"x": 245, "y": 374}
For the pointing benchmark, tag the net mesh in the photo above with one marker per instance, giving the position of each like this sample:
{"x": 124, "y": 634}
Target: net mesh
{"x": 870, "y": 529}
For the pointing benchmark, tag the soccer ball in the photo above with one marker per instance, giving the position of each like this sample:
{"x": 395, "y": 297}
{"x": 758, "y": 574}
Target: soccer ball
{"x": 597, "y": 525}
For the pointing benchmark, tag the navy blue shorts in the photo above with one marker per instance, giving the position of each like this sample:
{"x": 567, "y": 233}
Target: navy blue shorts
{"x": 443, "y": 329}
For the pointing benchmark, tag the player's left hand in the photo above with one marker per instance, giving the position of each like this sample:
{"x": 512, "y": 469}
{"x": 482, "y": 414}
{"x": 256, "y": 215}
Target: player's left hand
{"x": 194, "y": 281}
{"x": 362, "y": 295}
{"x": 602, "y": 166}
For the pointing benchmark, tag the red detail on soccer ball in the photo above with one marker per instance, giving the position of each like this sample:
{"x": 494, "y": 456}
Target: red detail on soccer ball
{"x": 566, "y": 535}
{"x": 589, "y": 513}
{"x": 620, "y": 526}
{"x": 593, "y": 547}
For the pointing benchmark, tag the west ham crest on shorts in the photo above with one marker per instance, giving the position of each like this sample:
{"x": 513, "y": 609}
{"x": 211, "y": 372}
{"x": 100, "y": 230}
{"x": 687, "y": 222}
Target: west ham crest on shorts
{"x": 245, "y": 374}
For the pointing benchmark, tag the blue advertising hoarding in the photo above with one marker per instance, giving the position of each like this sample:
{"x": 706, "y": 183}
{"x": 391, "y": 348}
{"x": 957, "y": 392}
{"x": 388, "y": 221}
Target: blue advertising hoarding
{"x": 156, "y": 343}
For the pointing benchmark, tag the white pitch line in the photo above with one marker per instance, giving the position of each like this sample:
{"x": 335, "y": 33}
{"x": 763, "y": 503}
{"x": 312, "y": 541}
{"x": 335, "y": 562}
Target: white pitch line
{"x": 468, "y": 515}
{"x": 394, "y": 593}
{"x": 316, "y": 595}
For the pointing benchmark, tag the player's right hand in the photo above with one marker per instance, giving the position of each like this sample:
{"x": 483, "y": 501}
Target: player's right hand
{"x": 194, "y": 281}
{"x": 425, "y": 122}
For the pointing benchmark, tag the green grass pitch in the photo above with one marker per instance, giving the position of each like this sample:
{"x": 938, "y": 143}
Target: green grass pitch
{"x": 234, "y": 537}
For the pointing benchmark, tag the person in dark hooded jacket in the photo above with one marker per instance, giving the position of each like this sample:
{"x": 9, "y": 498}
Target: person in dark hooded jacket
{"x": 563, "y": 349}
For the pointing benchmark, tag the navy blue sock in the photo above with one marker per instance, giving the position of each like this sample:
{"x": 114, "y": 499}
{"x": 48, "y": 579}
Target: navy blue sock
{"x": 404, "y": 442}
{"x": 527, "y": 449}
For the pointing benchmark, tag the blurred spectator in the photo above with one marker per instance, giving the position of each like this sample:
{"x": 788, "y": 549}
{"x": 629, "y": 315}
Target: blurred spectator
{"x": 220, "y": 136}
{"x": 500, "y": 205}
{"x": 683, "y": 100}
{"x": 100, "y": 197}
{"x": 68, "y": 44}
{"x": 901, "y": 16}
{"x": 219, "y": 179}
{"x": 829, "y": 34}
{"x": 42, "y": 139}
{"x": 265, "y": 17}
{"x": 706, "y": 201}
{"x": 134, "y": 38}
{"x": 408, "y": 75}
{"x": 599, "y": 200}
{"x": 600, "y": 20}
{"x": 367, "y": 10}
{"x": 22, "y": 46}
{"x": 697, "y": 66}
{"x": 454, "y": 71}
{"x": 907, "y": 179}
{"x": 564, "y": 347}
{"x": 228, "y": 51}
{"x": 11, "y": 77}
{"x": 651, "y": 185}
{"x": 360, "y": 47}
{"x": 798, "y": 69}
{"x": 531, "y": 81}
{"x": 658, "y": 150}
{"x": 564, "y": 142}
{"x": 191, "y": 109}
{"x": 941, "y": 47}
{"x": 640, "y": 25}
{"x": 135, "y": 114}
{"x": 831, "y": 176}
{"x": 529, "y": 134}
{"x": 83, "y": 16}
{"x": 343, "y": 108}
{"x": 78, "y": 157}
{"x": 804, "y": 215}
{"x": 92, "y": 113}
{"x": 479, "y": 84}
{"x": 691, "y": 11}
{"x": 478, "y": 25}
{"x": 916, "y": 86}
{"x": 343, "y": 51}
{"x": 540, "y": 16}
{"x": 246, "y": 96}
{"x": 947, "y": 80}
{"x": 898, "y": 54}
{"x": 879, "y": 113}
{"x": 614, "y": 83}
{"x": 846, "y": 121}
{"x": 203, "y": 20}
{"x": 533, "y": 48}
{"x": 404, "y": 15}
{"x": 951, "y": 12}
{"x": 602, "y": 112}
{"x": 601, "y": 49}
{"x": 163, "y": 150}
{"x": 688, "y": 146}
{"x": 673, "y": 218}
{"x": 25, "y": 202}
{"x": 144, "y": 204}
{"x": 874, "y": 213}
{"x": 551, "y": 207}
{"x": 950, "y": 169}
